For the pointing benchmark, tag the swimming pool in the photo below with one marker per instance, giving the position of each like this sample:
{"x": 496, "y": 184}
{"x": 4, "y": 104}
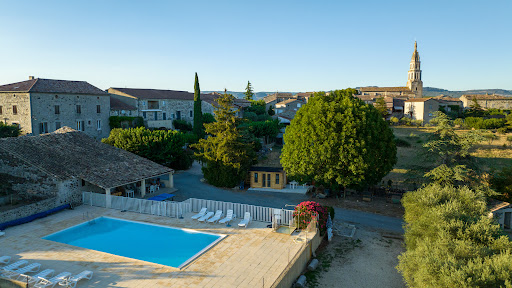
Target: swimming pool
{"x": 143, "y": 241}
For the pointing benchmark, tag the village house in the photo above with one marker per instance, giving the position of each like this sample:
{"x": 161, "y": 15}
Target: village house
{"x": 57, "y": 167}
{"x": 273, "y": 99}
{"x": 449, "y": 104}
{"x": 487, "y": 101}
{"x": 119, "y": 108}
{"x": 289, "y": 105}
{"x": 421, "y": 108}
{"x": 159, "y": 108}
{"x": 41, "y": 106}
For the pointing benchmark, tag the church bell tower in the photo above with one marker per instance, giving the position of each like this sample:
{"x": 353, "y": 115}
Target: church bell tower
{"x": 414, "y": 78}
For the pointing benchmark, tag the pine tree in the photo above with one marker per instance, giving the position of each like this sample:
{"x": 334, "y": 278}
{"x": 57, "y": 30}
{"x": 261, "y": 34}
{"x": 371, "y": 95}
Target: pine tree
{"x": 198, "y": 114}
{"x": 248, "y": 92}
{"x": 225, "y": 153}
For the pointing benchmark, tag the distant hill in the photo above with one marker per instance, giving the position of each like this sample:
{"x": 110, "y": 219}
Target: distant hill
{"x": 431, "y": 91}
{"x": 257, "y": 95}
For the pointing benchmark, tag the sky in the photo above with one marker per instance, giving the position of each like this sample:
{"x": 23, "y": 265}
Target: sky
{"x": 277, "y": 45}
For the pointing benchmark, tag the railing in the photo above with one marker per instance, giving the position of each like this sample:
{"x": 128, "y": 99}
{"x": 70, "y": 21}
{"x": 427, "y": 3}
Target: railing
{"x": 258, "y": 213}
{"x": 160, "y": 208}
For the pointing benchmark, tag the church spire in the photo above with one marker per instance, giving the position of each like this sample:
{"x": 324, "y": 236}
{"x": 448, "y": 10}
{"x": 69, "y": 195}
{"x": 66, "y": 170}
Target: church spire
{"x": 414, "y": 76}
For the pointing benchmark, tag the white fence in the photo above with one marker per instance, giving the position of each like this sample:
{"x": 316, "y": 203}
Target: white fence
{"x": 258, "y": 213}
{"x": 176, "y": 209}
{"x": 160, "y": 208}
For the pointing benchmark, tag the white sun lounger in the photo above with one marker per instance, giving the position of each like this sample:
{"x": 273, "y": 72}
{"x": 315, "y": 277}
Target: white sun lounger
{"x": 33, "y": 279}
{"x": 73, "y": 280}
{"x": 43, "y": 283}
{"x": 205, "y": 217}
{"x": 15, "y": 265}
{"x": 200, "y": 214}
{"x": 246, "y": 220}
{"x": 215, "y": 217}
{"x": 34, "y": 267}
{"x": 229, "y": 217}
{"x": 5, "y": 259}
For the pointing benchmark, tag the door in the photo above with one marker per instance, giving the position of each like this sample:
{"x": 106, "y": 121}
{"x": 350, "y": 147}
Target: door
{"x": 268, "y": 180}
{"x": 506, "y": 223}
{"x": 178, "y": 115}
{"x": 263, "y": 178}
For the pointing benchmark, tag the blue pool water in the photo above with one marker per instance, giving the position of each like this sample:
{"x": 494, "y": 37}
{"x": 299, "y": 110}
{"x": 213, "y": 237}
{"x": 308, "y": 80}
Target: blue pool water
{"x": 153, "y": 243}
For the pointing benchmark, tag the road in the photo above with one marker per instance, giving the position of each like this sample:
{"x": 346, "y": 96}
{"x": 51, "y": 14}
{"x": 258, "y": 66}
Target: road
{"x": 189, "y": 186}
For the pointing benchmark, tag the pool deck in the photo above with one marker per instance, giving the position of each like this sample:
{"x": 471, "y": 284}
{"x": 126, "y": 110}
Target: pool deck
{"x": 251, "y": 257}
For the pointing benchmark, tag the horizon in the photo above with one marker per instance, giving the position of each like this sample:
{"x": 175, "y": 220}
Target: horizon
{"x": 285, "y": 46}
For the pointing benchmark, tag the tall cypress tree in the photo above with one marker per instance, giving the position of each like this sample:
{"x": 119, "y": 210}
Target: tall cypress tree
{"x": 198, "y": 114}
{"x": 248, "y": 91}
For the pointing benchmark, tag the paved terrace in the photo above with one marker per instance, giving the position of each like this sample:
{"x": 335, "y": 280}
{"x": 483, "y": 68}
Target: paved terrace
{"x": 252, "y": 257}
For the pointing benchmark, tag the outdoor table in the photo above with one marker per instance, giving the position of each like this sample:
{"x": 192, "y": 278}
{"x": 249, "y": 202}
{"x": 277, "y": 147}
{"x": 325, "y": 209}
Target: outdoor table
{"x": 294, "y": 184}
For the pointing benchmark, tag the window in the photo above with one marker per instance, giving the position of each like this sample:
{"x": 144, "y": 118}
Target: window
{"x": 190, "y": 113}
{"x": 298, "y": 105}
{"x": 80, "y": 125}
{"x": 78, "y": 109}
{"x": 98, "y": 108}
{"x": 163, "y": 103}
{"x": 98, "y": 124}
{"x": 43, "y": 127}
{"x": 164, "y": 116}
{"x": 14, "y": 109}
{"x": 57, "y": 125}
{"x": 156, "y": 115}
{"x": 277, "y": 178}
{"x": 178, "y": 115}
{"x": 173, "y": 116}
{"x": 264, "y": 182}
{"x": 144, "y": 115}
{"x": 268, "y": 180}
{"x": 255, "y": 177}
{"x": 0, "y": 110}
{"x": 57, "y": 109}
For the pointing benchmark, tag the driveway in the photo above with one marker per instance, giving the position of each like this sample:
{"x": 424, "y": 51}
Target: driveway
{"x": 189, "y": 186}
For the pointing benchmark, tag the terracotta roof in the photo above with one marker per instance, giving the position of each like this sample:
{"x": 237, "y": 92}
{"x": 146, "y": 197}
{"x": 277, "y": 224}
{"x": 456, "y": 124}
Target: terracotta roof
{"x": 116, "y": 104}
{"x": 155, "y": 93}
{"x": 67, "y": 153}
{"x": 486, "y": 97}
{"x": 384, "y": 89}
{"x": 40, "y": 85}
{"x": 419, "y": 99}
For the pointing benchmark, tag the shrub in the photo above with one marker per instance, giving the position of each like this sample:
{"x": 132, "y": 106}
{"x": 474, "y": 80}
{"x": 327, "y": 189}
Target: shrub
{"x": 406, "y": 121}
{"x": 509, "y": 139}
{"x": 208, "y": 118}
{"x": 458, "y": 122}
{"x": 250, "y": 116}
{"x": 304, "y": 213}
{"x": 402, "y": 143}
{"x": 9, "y": 130}
{"x": 182, "y": 125}
{"x": 490, "y": 137}
{"x": 502, "y": 130}
{"x": 412, "y": 135}
{"x": 131, "y": 122}
{"x": 416, "y": 123}
{"x": 331, "y": 211}
{"x": 480, "y": 123}
{"x": 394, "y": 120}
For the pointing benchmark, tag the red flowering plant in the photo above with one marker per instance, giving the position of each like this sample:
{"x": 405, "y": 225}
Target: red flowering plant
{"x": 304, "y": 214}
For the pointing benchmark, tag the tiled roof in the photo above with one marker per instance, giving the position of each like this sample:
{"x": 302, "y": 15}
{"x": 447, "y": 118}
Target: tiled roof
{"x": 486, "y": 97}
{"x": 304, "y": 94}
{"x": 446, "y": 98}
{"x": 384, "y": 89}
{"x": 116, "y": 104}
{"x": 40, "y": 85}
{"x": 154, "y": 93}
{"x": 272, "y": 97}
{"x": 290, "y": 101}
{"x": 288, "y": 114}
{"x": 241, "y": 102}
{"x": 67, "y": 153}
{"x": 419, "y": 99}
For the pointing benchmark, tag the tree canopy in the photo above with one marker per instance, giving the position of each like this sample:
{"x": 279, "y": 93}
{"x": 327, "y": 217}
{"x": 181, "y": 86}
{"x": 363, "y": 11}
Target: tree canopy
{"x": 226, "y": 154}
{"x": 338, "y": 140}
{"x": 163, "y": 147}
{"x": 9, "y": 130}
{"x": 249, "y": 93}
{"x": 198, "y": 114}
{"x": 381, "y": 106}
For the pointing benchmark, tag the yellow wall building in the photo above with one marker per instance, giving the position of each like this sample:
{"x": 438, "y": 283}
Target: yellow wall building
{"x": 267, "y": 177}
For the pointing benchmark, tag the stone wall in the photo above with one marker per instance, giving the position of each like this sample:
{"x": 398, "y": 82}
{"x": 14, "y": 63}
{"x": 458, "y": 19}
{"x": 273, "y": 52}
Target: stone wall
{"x": 28, "y": 210}
{"x": 44, "y": 111}
{"x": 22, "y": 117}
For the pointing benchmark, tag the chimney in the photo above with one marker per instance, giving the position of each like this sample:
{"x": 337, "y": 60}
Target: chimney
{"x": 30, "y": 77}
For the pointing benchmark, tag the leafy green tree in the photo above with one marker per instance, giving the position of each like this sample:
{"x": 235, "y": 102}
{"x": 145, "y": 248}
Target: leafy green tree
{"x": 258, "y": 107}
{"x": 263, "y": 129}
{"x": 249, "y": 93}
{"x": 338, "y": 140}
{"x": 226, "y": 154}
{"x": 198, "y": 114}
{"x": 208, "y": 118}
{"x": 9, "y": 130}
{"x": 380, "y": 105}
{"x": 163, "y": 147}
{"x": 271, "y": 111}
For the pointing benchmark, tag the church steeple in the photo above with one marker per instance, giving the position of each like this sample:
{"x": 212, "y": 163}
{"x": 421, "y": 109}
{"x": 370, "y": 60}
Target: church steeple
{"x": 414, "y": 76}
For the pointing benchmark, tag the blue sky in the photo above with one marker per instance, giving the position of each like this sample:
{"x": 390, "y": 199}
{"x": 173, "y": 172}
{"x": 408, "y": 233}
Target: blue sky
{"x": 277, "y": 45}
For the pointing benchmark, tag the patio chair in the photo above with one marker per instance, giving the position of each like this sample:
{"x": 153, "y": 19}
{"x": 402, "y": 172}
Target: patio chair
{"x": 34, "y": 267}
{"x": 43, "y": 283}
{"x": 205, "y": 217}
{"x": 216, "y": 217}
{"x": 229, "y": 217}
{"x": 246, "y": 220}
{"x": 200, "y": 214}
{"x": 73, "y": 280}
{"x": 152, "y": 189}
{"x": 33, "y": 279}
{"x": 5, "y": 259}
{"x": 15, "y": 265}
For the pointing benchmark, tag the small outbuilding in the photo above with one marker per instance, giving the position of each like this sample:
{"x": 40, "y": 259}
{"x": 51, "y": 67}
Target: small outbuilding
{"x": 268, "y": 177}
{"x": 502, "y": 212}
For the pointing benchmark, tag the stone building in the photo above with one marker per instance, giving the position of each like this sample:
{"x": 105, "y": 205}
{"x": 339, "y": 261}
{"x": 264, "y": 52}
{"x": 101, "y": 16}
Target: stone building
{"x": 41, "y": 106}
{"x": 421, "y": 108}
{"x": 413, "y": 88}
{"x": 119, "y": 108}
{"x": 56, "y": 168}
{"x": 160, "y": 107}
{"x": 273, "y": 99}
{"x": 487, "y": 101}
{"x": 290, "y": 104}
